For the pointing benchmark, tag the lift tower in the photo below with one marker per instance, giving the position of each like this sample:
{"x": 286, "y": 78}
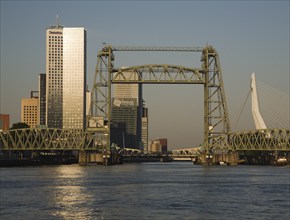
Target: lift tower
{"x": 209, "y": 74}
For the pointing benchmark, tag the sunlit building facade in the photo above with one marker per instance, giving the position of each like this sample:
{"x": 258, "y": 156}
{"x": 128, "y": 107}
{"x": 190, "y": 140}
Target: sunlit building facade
{"x": 74, "y": 78}
{"x": 29, "y": 111}
{"x": 65, "y": 77}
{"x": 54, "y": 76}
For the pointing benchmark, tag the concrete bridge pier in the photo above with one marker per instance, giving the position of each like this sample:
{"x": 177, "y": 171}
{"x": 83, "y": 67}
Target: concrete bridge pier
{"x": 229, "y": 158}
{"x": 106, "y": 158}
{"x": 89, "y": 157}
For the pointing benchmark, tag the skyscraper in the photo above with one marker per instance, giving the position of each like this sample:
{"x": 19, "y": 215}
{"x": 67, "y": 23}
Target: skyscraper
{"x": 54, "y": 77}
{"x": 74, "y": 78}
{"x": 127, "y": 114}
{"x": 65, "y": 77}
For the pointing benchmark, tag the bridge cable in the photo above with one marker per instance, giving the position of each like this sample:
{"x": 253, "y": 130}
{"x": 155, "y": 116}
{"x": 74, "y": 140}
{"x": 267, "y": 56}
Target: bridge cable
{"x": 274, "y": 106}
{"x": 249, "y": 92}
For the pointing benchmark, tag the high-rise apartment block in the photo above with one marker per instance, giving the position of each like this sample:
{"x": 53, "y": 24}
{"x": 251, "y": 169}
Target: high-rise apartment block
{"x": 42, "y": 98}
{"x": 65, "y": 77}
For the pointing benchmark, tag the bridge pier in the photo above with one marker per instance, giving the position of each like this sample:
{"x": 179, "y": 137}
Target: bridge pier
{"x": 230, "y": 158}
{"x": 87, "y": 157}
{"x": 92, "y": 157}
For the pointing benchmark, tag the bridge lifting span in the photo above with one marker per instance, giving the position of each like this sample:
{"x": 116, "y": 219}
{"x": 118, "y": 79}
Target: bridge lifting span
{"x": 216, "y": 117}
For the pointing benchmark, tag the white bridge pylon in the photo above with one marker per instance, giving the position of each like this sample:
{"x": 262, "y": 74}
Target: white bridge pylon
{"x": 258, "y": 119}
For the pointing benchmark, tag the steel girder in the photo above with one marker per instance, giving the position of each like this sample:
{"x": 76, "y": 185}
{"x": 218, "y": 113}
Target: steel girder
{"x": 186, "y": 152}
{"x": 216, "y": 118}
{"x": 158, "y": 74}
{"x": 261, "y": 140}
{"x": 50, "y": 139}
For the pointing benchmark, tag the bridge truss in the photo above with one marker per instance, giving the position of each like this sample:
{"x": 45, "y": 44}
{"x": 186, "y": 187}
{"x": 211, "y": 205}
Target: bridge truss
{"x": 264, "y": 139}
{"x": 50, "y": 139}
{"x": 216, "y": 117}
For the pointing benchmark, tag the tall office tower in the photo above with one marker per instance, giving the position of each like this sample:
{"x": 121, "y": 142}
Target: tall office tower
{"x": 124, "y": 122}
{"x": 127, "y": 96}
{"x": 74, "y": 78}
{"x": 65, "y": 77}
{"x": 54, "y": 76}
{"x": 42, "y": 98}
{"x": 29, "y": 111}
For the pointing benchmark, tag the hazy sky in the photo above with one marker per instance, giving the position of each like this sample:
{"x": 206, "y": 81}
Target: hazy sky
{"x": 250, "y": 36}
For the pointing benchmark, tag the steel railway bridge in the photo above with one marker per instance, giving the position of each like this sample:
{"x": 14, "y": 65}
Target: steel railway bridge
{"x": 217, "y": 131}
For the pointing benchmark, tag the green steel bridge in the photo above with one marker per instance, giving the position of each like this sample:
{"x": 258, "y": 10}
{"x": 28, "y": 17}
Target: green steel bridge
{"x": 58, "y": 139}
{"x": 218, "y": 135}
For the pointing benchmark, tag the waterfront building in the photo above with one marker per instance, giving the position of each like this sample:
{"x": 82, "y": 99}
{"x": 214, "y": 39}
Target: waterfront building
{"x": 155, "y": 146}
{"x": 163, "y": 143}
{"x": 65, "y": 77}
{"x": 159, "y": 145}
{"x": 4, "y": 122}
{"x": 42, "y": 98}
{"x": 29, "y": 111}
{"x": 74, "y": 78}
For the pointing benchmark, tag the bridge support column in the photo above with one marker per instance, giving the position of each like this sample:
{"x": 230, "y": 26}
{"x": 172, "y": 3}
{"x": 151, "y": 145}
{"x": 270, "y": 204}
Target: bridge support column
{"x": 83, "y": 158}
{"x": 87, "y": 157}
{"x": 219, "y": 159}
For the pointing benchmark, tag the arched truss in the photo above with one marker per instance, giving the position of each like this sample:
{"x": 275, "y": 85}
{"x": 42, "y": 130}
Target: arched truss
{"x": 264, "y": 139}
{"x": 158, "y": 74}
{"x": 216, "y": 118}
{"x": 50, "y": 139}
{"x": 186, "y": 152}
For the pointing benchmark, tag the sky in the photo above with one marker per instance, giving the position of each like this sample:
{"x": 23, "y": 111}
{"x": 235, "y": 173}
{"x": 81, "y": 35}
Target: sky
{"x": 250, "y": 36}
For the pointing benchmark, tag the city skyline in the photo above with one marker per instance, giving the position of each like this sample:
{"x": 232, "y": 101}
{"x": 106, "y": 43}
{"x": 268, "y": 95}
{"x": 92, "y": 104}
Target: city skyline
{"x": 249, "y": 36}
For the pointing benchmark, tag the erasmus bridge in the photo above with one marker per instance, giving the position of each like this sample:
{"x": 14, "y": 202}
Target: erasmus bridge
{"x": 273, "y": 135}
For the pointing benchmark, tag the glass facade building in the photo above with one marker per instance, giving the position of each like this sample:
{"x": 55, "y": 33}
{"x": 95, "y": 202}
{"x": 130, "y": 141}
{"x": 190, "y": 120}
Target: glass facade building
{"x": 127, "y": 107}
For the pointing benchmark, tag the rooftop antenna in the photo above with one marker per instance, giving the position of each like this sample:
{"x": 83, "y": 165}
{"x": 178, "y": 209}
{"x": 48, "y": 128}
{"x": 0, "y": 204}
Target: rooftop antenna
{"x": 57, "y": 21}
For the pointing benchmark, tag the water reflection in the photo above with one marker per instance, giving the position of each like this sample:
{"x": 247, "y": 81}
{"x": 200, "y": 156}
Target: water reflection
{"x": 70, "y": 196}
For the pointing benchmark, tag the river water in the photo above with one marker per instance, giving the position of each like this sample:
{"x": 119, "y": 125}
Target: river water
{"x": 145, "y": 191}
